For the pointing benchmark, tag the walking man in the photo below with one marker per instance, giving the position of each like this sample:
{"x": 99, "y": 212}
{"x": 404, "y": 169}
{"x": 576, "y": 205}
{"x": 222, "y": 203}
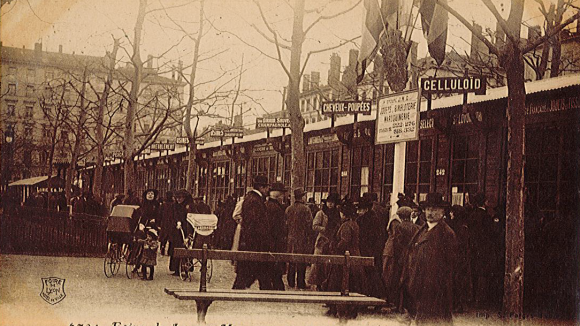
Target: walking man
{"x": 275, "y": 210}
{"x": 299, "y": 221}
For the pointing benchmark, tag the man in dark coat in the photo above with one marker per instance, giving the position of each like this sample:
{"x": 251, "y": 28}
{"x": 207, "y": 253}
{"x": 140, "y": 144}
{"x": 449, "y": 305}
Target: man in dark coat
{"x": 428, "y": 275}
{"x": 275, "y": 210}
{"x": 255, "y": 236}
{"x": 482, "y": 250}
{"x": 417, "y": 216}
{"x": 299, "y": 222}
{"x": 372, "y": 241}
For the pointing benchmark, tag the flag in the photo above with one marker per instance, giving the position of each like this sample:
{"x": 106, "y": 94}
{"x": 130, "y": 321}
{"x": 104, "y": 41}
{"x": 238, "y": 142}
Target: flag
{"x": 374, "y": 25}
{"x": 434, "y": 20}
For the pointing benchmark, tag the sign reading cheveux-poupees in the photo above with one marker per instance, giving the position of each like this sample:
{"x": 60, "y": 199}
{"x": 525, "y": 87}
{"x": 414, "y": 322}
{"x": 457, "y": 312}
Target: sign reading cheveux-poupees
{"x": 346, "y": 107}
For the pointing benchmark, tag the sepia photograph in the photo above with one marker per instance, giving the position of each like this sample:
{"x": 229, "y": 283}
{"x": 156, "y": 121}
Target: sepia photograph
{"x": 289, "y": 162}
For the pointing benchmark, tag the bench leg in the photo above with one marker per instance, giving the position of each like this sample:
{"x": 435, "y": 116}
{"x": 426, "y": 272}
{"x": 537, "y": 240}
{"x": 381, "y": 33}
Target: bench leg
{"x": 346, "y": 312}
{"x": 202, "y": 306}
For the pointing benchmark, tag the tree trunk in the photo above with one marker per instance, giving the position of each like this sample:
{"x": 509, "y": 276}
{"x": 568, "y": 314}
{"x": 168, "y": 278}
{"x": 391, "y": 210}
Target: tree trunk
{"x": 128, "y": 175}
{"x": 514, "y": 234}
{"x": 293, "y": 100}
{"x": 191, "y": 135}
{"x": 556, "y": 42}
{"x": 98, "y": 177}
{"x": 78, "y": 139}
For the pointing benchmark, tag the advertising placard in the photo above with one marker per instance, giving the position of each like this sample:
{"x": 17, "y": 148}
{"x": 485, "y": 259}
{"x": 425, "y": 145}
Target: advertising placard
{"x": 398, "y": 118}
{"x": 263, "y": 123}
{"x": 346, "y": 107}
{"x": 163, "y": 146}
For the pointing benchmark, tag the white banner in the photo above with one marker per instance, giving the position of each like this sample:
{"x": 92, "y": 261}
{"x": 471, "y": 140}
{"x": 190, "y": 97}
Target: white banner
{"x": 398, "y": 118}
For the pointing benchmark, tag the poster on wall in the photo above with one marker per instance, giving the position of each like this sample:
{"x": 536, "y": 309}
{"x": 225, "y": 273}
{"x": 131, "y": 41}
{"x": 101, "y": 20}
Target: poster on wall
{"x": 398, "y": 117}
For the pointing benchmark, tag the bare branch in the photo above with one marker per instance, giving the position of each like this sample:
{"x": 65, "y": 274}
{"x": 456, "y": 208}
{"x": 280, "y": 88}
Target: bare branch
{"x": 327, "y": 17}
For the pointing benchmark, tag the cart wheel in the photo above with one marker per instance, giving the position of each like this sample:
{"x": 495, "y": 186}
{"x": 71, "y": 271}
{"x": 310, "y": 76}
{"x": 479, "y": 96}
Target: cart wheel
{"x": 185, "y": 269}
{"x": 116, "y": 261}
{"x": 109, "y": 261}
{"x": 209, "y": 272}
{"x": 129, "y": 267}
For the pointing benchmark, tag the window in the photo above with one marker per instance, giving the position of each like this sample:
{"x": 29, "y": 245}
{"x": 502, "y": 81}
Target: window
{"x": 49, "y": 75}
{"x": 464, "y": 168}
{"x": 240, "y": 179}
{"x": 12, "y": 71}
{"x": 202, "y": 181}
{"x": 28, "y": 132}
{"x": 265, "y": 166}
{"x": 287, "y": 169}
{"x": 418, "y": 168}
{"x": 322, "y": 173}
{"x": 11, "y": 89}
{"x": 220, "y": 181}
{"x": 388, "y": 168}
{"x": 42, "y": 157}
{"x": 29, "y": 112}
{"x": 31, "y": 73}
{"x": 11, "y": 108}
{"x": 551, "y": 166}
{"x": 27, "y": 157}
{"x": 29, "y": 90}
{"x": 361, "y": 158}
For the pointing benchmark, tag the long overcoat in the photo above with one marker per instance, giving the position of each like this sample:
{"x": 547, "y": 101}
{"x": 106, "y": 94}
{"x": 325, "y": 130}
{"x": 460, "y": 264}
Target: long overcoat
{"x": 255, "y": 234}
{"x": 299, "y": 222}
{"x": 428, "y": 274}
{"x": 347, "y": 239}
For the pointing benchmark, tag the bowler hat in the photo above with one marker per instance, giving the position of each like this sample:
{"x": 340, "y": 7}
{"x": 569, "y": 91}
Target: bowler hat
{"x": 260, "y": 180}
{"x": 365, "y": 202}
{"x": 298, "y": 193}
{"x": 434, "y": 199}
{"x": 278, "y": 186}
{"x": 333, "y": 197}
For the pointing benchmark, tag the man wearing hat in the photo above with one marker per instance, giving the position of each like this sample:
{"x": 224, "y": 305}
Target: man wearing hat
{"x": 199, "y": 206}
{"x": 428, "y": 275}
{"x": 255, "y": 228}
{"x": 277, "y": 220}
{"x": 299, "y": 221}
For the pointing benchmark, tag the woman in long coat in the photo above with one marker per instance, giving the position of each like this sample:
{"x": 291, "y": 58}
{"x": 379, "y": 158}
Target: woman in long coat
{"x": 326, "y": 224}
{"x": 180, "y": 228}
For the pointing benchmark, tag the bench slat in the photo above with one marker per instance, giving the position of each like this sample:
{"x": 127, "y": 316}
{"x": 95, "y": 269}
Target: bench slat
{"x": 272, "y": 257}
{"x": 307, "y": 293}
{"x": 237, "y": 296}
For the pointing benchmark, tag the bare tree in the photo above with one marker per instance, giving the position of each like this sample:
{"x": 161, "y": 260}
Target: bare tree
{"x": 511, "y": 57}
{"x": 295, "y": 70}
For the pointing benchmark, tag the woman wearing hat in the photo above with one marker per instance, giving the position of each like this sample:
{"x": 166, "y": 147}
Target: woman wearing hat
{"x": 326, "y": 223}
{"x": 149, "y": 209}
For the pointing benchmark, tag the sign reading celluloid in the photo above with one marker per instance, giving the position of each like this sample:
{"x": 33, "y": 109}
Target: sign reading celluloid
{"x": 442, "y": 85}
{"x": 346, "y": 107}
{"x": 262, "y": 123}
{"x": 163, "y": 146}
{"x": 398, "y": 118}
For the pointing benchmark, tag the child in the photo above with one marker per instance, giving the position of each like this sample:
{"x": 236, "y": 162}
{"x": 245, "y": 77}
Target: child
{"x": 149, "y": 256}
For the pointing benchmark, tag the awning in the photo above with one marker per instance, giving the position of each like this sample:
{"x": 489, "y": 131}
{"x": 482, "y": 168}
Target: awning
{"x": 38, "y": 181}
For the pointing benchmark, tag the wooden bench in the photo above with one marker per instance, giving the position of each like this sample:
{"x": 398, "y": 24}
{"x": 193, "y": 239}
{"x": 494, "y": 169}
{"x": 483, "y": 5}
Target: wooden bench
{"x": 342, "y": 300}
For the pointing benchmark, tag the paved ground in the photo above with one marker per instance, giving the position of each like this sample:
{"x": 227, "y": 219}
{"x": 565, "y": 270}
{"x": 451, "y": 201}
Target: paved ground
{"x": 92, "y": 299}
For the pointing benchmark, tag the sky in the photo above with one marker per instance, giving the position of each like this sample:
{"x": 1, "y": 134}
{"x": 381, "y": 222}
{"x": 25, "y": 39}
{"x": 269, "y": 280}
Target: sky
{"x": 88, "y": 26}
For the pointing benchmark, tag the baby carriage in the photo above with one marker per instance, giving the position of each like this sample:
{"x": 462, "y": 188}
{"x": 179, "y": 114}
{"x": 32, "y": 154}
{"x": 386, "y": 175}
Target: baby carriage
{"x": 120, "y": 230}
{"x": 203, "y": 227}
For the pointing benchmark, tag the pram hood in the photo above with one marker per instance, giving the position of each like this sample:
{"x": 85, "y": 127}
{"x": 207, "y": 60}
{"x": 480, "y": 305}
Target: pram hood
{"x": 203, "y": 224}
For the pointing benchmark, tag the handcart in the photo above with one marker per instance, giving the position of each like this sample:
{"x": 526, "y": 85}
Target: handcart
{"x": 203, "y": 227}
{"x": 120, "y": 229}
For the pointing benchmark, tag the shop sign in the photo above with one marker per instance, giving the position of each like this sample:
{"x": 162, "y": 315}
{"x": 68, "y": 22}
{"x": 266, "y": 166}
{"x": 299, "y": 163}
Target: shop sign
{"x": 162, "y": 146}
{"x": 218, "y": 153}
{"x": 322, "y": 139}
{"x": 554, "y": 105}
{"x": 263, "y": 123}
{"x": 227, "y": 133}
{"x": 465, "y": 118}
{"x": 398, "y": 118}
{"x": 263, "y": 148}
{"x": 185, "y": 141}
{"x": 117, "y": 154}
{"x": 346, "y": 107}
{"x": 445, "y": 85}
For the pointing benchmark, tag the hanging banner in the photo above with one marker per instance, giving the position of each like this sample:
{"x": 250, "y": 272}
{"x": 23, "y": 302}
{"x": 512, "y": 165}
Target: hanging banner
{"x": 398, "y": 118}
